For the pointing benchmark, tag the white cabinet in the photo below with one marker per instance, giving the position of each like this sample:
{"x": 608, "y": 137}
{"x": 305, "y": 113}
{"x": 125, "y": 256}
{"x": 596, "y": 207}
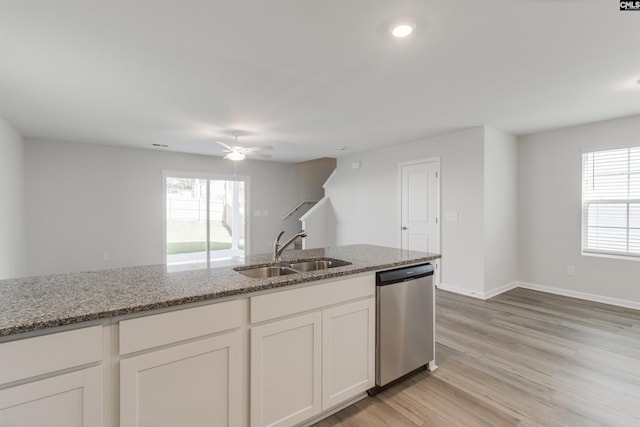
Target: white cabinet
{"x": 279, "y": 358}
{"x": 348, "y": 356}
{"x": 54, "y": 380}
{"x": 286, "y": 371}
{"x": 194, "y": 384}
{"x": 304, "y": 364}
{"x": 186, "y": 368}
{"x": 68, "y": 400}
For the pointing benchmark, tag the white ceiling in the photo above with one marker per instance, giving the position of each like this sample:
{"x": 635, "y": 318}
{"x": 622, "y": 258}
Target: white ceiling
{"x": 310, "y": 77}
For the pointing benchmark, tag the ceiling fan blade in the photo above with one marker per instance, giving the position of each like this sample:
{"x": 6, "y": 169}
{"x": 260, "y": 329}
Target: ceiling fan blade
{"x": 240, "y": 151}
{"x": 265, "y": 148}
{"x": 224, "y": 145}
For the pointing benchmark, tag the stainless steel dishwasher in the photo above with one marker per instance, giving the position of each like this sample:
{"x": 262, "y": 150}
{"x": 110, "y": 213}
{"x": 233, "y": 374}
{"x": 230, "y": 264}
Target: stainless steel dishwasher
{"x": 404, "y": 322}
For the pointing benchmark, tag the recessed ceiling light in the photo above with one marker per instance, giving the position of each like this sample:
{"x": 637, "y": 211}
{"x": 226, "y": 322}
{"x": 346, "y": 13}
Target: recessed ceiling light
{"x": 402, "y": 30}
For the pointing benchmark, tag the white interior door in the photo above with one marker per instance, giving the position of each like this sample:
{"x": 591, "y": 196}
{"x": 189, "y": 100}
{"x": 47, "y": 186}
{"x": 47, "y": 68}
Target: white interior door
{"x": 420, "y": 206}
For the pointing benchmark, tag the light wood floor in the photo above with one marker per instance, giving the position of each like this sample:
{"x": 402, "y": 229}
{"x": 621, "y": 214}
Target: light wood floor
{"x": 523, "y": 358}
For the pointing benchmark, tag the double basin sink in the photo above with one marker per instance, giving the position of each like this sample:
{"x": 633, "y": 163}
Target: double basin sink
{"x": 293, "y": 267}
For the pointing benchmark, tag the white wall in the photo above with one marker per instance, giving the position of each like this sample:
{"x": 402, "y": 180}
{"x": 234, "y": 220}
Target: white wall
{"x": 500, "y": 210}
{"x": 320, "y": 224}
{"x": 84, "y": 200}
{"x": 12, "y": 247}
{"x": 549, "y": 211}
{"x": 365, "y": 201}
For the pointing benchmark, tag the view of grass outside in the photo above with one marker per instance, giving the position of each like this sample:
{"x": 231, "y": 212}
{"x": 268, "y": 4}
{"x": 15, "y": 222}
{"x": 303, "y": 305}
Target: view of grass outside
{"x": 191, "y": 202}
{"x": 189, "y": 236}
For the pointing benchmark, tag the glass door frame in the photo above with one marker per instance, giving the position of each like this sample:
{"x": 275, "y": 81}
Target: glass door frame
{"x": 209, "y": 177}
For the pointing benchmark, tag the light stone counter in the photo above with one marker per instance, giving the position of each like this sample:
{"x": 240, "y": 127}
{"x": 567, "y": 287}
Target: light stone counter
{"x": 35, "y": 303}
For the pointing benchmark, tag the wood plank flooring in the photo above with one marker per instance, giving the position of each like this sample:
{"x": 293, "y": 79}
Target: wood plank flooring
{"x": 523, "y": 358}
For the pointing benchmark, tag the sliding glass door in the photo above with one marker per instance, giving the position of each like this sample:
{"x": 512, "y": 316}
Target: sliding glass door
{"x": 205, "y": 221}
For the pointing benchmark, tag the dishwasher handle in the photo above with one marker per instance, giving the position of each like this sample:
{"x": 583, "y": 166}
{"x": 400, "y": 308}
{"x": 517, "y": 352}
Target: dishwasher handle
{"x": 389, "y": 277}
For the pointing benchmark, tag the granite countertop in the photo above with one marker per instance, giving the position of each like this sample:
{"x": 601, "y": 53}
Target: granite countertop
{"x": 35, "y": 303}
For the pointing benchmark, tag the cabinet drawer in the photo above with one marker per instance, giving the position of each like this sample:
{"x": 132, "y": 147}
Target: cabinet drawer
{"x": 288, "y": 302}
{"x": 31, "y": 357}
{"x": 157, "y": 330}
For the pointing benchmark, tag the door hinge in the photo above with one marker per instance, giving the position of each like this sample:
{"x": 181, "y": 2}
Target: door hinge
{"x": 436, "y": 174}
{"x": 436, "y": 220}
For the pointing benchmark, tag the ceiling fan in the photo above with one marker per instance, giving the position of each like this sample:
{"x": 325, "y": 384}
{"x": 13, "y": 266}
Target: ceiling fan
{"x": 238, "y": 152}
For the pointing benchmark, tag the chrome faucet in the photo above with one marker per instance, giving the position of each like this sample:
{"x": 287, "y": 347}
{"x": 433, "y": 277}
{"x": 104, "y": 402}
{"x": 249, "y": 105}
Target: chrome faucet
{"x": 278, "y": 248}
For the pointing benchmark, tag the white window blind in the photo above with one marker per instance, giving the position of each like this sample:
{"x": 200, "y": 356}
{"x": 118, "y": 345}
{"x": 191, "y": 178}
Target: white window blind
{"x": 611, "y": 202}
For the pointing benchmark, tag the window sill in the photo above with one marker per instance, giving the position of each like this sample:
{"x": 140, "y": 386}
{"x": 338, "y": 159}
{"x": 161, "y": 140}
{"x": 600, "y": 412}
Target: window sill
{"x": 611, "y": 256}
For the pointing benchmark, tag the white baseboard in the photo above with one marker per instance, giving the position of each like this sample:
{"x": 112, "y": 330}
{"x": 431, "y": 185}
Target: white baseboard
{"x": 497, "y": 291}
{"x": 548, "y": 289}
{"x": 459, "y": 290}
{"x": 476, "y": 294}
{"x": 581, "y": 295}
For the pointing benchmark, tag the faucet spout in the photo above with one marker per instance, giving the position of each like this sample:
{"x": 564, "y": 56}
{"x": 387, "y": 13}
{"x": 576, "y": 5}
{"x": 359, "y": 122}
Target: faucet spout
{"x": 279, "y": 248}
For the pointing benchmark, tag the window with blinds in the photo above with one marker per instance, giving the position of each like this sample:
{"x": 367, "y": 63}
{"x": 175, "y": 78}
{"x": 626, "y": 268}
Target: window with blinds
{"x": 611, "y": 202}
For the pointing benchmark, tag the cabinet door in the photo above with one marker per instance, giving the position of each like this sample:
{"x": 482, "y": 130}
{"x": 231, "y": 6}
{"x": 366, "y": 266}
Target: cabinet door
{"x": 194, "y": 384}
{"x": 348, "y": 359}
{"x": 68, "y": 400}
{"x": 286, "y": 371}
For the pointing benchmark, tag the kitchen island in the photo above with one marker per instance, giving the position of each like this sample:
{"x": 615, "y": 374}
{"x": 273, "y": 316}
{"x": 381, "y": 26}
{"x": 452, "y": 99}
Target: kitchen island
{"x": 142, "y": 346}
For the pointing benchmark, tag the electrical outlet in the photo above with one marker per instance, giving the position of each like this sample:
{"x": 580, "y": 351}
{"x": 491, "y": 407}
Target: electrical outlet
{"x": 106, "y": 257}
{"x": 571, "y": 270}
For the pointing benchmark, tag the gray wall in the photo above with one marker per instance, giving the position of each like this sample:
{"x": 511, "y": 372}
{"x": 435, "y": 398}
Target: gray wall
{"x": 307, "y": 179}
{"x": 84, "y": 200}
{"x": 12, "y": 247}
{"x": 365, "y": 201}
{"x": 478, "y": 184}
{"x": 310, "y": 176}
{"x": 500, "y": 210}
{"x": 549, "y": 211}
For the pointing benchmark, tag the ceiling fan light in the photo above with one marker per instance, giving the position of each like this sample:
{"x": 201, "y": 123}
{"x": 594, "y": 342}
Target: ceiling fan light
{"x": 235, "y": 156}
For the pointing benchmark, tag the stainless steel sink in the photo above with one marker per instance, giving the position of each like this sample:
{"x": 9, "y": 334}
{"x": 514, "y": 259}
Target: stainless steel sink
{"x": 268, "y": 271}
{"x": 292, "y": 268}
{"x": 318, "y": 264}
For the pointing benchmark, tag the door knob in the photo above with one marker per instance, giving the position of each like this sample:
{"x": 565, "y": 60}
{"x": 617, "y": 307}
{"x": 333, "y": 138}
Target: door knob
{"x": 405, "y": 228}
